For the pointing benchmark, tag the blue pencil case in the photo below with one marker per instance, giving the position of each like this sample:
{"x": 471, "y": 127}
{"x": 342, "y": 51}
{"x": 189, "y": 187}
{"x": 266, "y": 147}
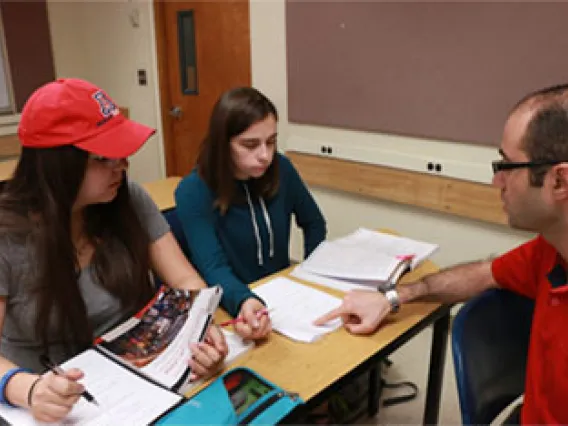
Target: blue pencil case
{"x": 238, "y": 397}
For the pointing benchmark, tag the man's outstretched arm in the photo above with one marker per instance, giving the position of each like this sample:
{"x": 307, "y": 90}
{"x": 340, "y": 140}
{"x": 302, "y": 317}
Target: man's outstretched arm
{"x": 455, "y": 284}
{"x": 363, "y": 311}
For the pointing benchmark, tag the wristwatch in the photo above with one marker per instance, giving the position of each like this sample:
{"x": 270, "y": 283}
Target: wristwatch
{"x": 392, "y": 296}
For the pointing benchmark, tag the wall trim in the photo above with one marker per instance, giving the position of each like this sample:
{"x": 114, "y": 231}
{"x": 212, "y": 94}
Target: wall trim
{"x": 438, "y": 193}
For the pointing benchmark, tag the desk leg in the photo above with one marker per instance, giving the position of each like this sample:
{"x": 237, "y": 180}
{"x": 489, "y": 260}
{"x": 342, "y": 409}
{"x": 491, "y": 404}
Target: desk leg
{"x": 374, "y": 391}
{"x": 436, "y": 372}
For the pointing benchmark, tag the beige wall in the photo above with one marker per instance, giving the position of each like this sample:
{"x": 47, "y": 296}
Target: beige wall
{"x": 109, "y": 54}
{"x": 459, "y": 239}
{"x": 96, "y": 40}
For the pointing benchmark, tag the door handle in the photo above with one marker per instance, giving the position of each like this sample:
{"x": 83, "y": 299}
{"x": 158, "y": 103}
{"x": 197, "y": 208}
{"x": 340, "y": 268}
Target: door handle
{"x": 176, "y": 112}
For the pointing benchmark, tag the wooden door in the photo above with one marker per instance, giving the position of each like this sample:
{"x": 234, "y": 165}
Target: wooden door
{"x": 195, "y": 66}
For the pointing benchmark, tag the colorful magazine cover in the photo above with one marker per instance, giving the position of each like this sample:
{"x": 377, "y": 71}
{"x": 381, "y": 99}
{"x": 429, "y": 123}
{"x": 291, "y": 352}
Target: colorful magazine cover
{"x": 159, "y": 323}
{"x": 156, "y": 341}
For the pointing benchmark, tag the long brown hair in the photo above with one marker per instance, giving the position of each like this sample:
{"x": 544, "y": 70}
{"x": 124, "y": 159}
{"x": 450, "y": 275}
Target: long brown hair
{"x": 37, "y": 203}
{"x": 235, "y": 111}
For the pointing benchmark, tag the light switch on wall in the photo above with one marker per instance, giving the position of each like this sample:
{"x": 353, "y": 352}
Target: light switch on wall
{"x": 142, "y": 78}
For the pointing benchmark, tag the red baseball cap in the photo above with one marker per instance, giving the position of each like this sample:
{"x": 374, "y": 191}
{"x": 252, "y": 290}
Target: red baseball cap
{"x": 75, "y": 112}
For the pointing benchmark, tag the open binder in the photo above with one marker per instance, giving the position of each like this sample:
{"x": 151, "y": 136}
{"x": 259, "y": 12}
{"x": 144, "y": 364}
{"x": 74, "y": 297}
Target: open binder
{"x": 137, "y": 370}
{"x": 364, "y": 259}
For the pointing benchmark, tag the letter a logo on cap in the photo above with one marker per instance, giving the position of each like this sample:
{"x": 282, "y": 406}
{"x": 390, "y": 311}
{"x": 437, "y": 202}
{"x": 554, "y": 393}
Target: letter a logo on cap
{"x": 107, "y": 107}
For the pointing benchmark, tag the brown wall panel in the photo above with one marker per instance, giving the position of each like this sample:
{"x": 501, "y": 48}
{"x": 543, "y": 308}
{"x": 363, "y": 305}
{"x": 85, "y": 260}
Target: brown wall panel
{"x": 28, "y": 43}
{"x": 447, "y": 70}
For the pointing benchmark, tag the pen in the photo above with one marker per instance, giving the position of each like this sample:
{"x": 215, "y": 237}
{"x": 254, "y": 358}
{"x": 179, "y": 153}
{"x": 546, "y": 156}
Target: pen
{"x": 55, "y": 369}
{"x": 241, "y": 319}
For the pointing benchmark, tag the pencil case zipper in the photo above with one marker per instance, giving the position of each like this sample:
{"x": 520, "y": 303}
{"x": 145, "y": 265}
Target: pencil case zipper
{"x": 265, "y": 404}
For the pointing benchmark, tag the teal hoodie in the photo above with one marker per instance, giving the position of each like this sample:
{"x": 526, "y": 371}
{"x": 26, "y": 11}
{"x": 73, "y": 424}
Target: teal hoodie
{"x": 239, "y": 247}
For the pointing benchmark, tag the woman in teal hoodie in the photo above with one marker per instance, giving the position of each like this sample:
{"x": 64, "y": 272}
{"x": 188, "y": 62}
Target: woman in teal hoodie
{"x": 236, "y": 206}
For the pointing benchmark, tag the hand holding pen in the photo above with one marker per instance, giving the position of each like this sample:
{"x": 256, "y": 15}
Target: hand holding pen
{"x": 58, "y": 371}
{"x": 253, "y": 321}
{"x": 259, "y": 315}
{"x": 51, "y": 396}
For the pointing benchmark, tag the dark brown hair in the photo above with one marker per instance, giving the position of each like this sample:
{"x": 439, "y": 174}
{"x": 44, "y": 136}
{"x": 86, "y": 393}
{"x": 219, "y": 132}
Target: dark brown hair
{"x": 546, "y": 135}
{"x": 235, "y": 111}
{"x": 36, "y": 205}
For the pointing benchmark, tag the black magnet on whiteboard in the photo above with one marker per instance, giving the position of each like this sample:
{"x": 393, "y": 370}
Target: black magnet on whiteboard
{"x": 430, "y": 166}
{"x": 438, "y": 167}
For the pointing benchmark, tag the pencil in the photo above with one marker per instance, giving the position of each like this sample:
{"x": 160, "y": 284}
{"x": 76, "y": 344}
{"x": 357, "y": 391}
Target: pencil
{"x": 241, "y": 319}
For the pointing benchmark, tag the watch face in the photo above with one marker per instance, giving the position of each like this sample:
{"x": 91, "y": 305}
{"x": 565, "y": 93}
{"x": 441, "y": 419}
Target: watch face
{"x": 392, "y": 297}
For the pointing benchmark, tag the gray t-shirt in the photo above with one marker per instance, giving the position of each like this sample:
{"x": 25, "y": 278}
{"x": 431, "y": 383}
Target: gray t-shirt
{"x": 17, "y": 277}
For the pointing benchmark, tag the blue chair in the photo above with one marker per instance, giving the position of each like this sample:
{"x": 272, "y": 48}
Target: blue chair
{"x": 490, "y": 339}
{"x": 171, "y": 217}
{"x": 177, "y": 229}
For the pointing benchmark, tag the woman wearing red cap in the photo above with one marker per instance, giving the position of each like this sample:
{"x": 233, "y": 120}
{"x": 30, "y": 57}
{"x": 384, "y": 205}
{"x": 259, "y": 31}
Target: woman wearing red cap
{"x": 77, "y": 241}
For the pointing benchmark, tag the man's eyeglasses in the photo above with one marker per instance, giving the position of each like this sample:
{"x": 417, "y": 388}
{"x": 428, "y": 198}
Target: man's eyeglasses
{"x": 109, "y": 162}
{"x": 503, "y": 165}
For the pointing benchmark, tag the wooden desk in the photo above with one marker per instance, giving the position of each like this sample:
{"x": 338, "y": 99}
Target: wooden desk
{"x": 317, "y": 369}
{"x": 7, "y": 168}
{"x": 162, "y": 192}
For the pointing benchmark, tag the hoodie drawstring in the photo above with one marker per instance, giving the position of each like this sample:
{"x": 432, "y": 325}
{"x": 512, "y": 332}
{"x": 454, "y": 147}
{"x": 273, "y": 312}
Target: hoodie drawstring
{"x": 268, "y": 226}
{"x": 256, "y": 229}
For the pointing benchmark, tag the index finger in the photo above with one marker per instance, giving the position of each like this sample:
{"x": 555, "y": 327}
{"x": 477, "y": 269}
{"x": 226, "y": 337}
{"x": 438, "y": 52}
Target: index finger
{"x": 331, "y": 315}
{"x": 264, "y": 327}
{"x": 217, "y": 339}
{"x": 243, "y": 330}
{"x": 251, "y": 319}
{"x": 64, "y": 386}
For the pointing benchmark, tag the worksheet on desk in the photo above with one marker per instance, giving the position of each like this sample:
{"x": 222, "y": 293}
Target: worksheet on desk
{"x": 363, "y": 255}
{"x": 294, "y": 307}
{"x": 335, "y": 283}
{"x": 349, "y": 261}
{"x": 124, "y": 397}
{"x": 391, "y": 245}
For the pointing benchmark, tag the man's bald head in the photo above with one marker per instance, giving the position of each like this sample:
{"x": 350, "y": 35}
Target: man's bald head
{"x": 543, "y": 96}
{"x": 546, "y": 135}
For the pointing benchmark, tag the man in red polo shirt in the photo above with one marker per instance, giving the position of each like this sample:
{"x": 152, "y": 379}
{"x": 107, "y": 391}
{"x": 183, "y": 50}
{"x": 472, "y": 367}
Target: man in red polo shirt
{"x": 533, "y": 178}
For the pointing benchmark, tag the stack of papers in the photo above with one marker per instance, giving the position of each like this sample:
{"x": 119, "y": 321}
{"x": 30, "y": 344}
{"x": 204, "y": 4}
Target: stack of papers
{"x": 364, "y": 259}
{"x": 294, "y": 307}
